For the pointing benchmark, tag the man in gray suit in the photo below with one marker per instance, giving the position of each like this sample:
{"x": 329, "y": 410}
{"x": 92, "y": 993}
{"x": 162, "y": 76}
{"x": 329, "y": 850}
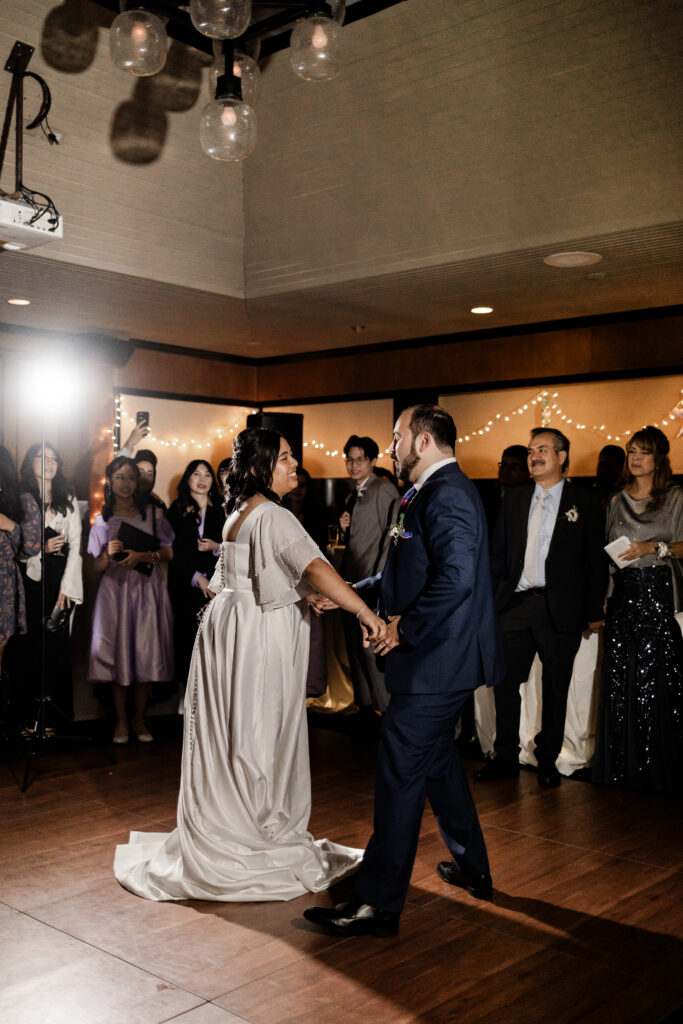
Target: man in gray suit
{"x": 364, "y": 522}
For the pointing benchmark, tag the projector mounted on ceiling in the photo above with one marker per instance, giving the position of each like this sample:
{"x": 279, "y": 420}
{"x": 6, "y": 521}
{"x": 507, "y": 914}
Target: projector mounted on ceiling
{"x": 21, "y": 229}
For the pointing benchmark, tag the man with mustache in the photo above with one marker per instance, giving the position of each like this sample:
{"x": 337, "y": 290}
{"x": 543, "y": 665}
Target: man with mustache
{"x": 441, "y": 643}
{"x": 550, "y": 578}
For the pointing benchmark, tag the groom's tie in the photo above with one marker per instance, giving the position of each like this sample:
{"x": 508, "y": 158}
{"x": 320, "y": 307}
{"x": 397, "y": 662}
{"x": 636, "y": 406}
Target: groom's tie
{"x": 531, "y": 555}
{"x": 406, "y": 498}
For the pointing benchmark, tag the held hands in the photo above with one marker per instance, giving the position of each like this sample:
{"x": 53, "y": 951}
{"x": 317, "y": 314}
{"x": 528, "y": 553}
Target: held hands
{"x": 391, "y": 638}
{"x": 372, "y": 627}
{"x": 206, "y": 544}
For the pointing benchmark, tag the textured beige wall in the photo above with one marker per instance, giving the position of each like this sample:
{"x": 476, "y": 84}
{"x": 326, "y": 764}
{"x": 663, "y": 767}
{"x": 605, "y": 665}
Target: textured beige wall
{"x": 179, "y": 219}
{"x": 435, "y": 96}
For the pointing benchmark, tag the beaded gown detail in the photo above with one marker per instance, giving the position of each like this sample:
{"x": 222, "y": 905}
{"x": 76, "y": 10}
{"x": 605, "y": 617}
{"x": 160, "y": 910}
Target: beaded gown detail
{"x": 639, "y": 741}
{"x": 245, "y": 792}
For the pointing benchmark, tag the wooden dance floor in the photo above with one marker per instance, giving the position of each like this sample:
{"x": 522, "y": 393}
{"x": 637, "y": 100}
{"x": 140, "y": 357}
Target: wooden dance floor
{"x": 586, "y": 923}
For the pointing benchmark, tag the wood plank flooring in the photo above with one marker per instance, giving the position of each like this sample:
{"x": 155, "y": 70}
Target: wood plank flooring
{"x": 586, "y": 924}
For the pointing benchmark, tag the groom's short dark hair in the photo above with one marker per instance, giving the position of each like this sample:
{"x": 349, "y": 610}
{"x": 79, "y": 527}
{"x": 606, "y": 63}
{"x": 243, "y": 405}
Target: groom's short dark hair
{"x": 434, "y": 420}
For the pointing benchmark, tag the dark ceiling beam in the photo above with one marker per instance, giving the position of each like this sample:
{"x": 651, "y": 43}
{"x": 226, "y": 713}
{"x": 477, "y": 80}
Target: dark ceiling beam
{"x": 181, "y": 29}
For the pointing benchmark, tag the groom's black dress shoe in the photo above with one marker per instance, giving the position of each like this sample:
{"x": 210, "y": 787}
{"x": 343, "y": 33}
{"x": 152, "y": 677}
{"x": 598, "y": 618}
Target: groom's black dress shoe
{"x": 499, "y": 768}
{"x": 354, "y": 918}
{"x": 549, "y": 777}
{"x": 479, "y": 886}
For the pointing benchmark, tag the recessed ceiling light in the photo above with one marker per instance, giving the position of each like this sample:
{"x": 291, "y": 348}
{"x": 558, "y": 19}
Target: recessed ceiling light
{"x": 19, "y": 302}
{"x": 480, "y": 310}
{"x": 572, "y": 259}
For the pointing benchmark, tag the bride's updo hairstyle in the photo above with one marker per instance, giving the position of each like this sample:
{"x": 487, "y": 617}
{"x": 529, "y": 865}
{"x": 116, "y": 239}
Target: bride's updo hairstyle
{"x": 254, "y": 457}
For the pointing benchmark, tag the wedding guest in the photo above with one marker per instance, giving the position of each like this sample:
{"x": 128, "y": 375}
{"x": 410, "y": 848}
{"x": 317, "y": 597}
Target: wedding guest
{"x": 221, "y": 473}
{"x": 132, "y": 630}
{"x": 146, "y": 461}
{"x": 640, "y": 727}
{"x": 196, "y": 518}
{"x": 608, "y": 472}
{"x": 549, "y": 577}
{"x": 364, "y": 522}
{"x": 63, "y": 585}
{"x": 20, "y": 525}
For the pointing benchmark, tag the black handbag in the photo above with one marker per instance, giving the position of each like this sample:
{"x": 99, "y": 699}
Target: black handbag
{"x": 138, "y": 540}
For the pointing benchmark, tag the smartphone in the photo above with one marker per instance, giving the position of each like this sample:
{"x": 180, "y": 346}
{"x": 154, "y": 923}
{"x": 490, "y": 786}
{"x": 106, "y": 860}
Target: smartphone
{"x": 142, "y": 419}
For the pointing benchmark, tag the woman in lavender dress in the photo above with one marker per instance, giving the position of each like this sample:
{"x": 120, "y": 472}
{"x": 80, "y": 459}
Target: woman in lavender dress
{"x": 132, "y": 631}
{"x": 19, "y": 537}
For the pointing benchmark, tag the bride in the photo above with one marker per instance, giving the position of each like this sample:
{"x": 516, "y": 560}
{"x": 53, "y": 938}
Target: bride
{"x": 245, "y": 790}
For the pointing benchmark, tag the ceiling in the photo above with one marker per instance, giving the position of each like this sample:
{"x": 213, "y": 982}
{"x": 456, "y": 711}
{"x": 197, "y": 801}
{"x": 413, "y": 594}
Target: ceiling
{"x": 384, "y": 209}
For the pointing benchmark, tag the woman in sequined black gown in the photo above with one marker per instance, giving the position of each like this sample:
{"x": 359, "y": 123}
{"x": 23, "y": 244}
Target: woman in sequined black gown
{"x": 640, "y": 729}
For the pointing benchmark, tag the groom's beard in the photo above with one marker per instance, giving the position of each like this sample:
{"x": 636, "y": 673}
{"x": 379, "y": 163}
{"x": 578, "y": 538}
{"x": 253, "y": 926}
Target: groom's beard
{"x": 408, "y": 464}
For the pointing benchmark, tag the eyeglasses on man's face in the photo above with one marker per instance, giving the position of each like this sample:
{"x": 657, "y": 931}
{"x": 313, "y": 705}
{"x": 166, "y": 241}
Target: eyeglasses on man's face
{"x": 357, "y": 462}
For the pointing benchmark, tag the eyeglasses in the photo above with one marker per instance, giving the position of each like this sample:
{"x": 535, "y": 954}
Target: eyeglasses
{"x": 121, "y": 479}
{"x": 52, "y": 459}
{"x": 357, "y": 462}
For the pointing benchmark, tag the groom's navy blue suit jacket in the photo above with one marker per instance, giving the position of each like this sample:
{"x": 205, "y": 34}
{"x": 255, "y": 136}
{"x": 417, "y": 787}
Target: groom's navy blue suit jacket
{"x": 437, "y": 578}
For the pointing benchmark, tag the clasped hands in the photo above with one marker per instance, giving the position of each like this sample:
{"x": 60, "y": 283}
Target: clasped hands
{"x": 132, "y": 558}
{"x": 384, "y": 636}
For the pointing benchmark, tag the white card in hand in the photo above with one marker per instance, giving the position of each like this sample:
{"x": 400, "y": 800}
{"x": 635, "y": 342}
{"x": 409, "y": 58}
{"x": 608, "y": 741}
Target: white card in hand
{"x": 616, "y": 548}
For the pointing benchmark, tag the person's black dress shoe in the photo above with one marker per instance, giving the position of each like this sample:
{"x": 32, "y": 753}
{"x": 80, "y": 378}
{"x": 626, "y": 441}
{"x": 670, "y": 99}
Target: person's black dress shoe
{"x": 549, "y": 777}
{"x": 480, "y": 886}
{"x": 354, "y": 918}
{"x": 499, "y": 768}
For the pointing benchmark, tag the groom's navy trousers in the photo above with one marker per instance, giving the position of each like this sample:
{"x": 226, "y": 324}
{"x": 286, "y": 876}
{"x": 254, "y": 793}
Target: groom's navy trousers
{"x": 437, "y": 578}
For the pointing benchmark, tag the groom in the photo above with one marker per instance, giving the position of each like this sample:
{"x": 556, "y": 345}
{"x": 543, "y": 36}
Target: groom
{"x": 441, "y": 643}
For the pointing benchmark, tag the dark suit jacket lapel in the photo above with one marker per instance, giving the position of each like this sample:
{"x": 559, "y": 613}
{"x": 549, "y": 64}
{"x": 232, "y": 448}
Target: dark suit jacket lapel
{"x": 566, "y": 501}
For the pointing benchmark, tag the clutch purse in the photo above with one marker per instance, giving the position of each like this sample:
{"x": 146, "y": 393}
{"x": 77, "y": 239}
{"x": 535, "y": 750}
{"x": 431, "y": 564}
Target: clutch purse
{"x": 137, "y": 540}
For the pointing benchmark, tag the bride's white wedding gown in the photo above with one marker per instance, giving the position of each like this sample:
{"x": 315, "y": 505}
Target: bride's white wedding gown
{"x": 245, "y": 791}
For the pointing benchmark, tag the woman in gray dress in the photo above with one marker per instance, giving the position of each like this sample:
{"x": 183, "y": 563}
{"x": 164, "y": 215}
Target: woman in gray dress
{"x": 640, "y": 730}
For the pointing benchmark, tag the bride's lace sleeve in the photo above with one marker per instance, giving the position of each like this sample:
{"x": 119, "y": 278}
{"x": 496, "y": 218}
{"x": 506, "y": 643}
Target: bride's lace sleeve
{"x": 281, "y": 552}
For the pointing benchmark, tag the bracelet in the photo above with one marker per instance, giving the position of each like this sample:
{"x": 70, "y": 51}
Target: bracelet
{"x": 662, "y": 549}
{"x": 360, "y": 610}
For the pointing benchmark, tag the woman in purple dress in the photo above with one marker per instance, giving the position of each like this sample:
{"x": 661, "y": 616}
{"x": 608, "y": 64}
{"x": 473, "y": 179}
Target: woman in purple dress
{"x": 132, "y": 631}
{"x": 19, "y": 537}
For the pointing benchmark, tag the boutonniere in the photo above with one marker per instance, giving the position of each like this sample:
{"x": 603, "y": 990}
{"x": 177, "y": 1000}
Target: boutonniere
{"x": 397, "y": 530}
{"x": 572, "y": 514}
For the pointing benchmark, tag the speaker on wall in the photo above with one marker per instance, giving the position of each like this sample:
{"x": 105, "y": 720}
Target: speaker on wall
{"x": 291, "y": 424}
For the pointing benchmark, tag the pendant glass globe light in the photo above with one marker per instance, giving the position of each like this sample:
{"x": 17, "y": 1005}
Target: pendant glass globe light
{"x": 221, "y": 19}
{"x": 244, "y": 67}
{"x": 227, "y": 128}
{"x": 138, "y": 43}
{"x": 314, "y": 48}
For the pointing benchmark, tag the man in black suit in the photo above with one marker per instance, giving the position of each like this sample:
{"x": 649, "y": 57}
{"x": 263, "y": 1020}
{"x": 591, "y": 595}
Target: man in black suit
{"x": 441, "y": 643}
{"x": 550, "y": 577}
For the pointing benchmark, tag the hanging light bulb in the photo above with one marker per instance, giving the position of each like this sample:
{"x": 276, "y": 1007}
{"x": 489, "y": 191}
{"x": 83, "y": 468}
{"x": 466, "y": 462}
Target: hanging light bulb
{"x": 314, "y": 48}
{"x": 138, "y": 43}
{"x": 227, "y": 130}
{"x": 244, "y": 67}
{"x": 221, "y": 19}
